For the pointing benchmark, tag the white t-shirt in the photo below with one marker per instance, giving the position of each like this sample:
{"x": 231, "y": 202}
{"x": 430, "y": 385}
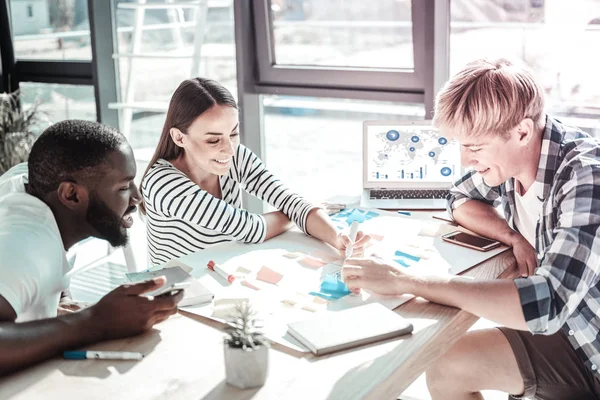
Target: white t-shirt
{"x": 528, "y": 209}
{"x": 33, "y": 264}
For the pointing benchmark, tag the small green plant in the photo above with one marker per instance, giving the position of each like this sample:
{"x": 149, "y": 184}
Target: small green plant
{"x": 16, "y": 130}
{"x": 244, "y": 330}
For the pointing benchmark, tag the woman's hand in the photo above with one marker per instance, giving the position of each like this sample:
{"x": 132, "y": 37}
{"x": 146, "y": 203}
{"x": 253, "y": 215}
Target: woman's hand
{"x": 342, "y": 242}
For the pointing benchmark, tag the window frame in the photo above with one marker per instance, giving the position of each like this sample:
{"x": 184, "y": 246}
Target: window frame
{"x": 74, "y": 72}
{"x": 340, "y": 78}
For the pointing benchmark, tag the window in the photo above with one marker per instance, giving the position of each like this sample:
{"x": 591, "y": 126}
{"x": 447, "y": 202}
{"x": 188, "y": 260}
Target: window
{"x": 554, "y": 37}
{"x": 323, "y": 139}
{"x": 60, "y": 102}
{"x": 51, "y": 29}
{"x": 343, "y": 33}
{"x": 159, "y": 45}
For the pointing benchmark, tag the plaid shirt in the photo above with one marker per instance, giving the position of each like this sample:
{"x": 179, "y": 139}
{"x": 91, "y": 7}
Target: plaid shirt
{"x": 564, "y": 293}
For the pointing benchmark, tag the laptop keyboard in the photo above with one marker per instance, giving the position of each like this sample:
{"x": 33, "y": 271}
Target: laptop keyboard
{"x": 408, "y": 194}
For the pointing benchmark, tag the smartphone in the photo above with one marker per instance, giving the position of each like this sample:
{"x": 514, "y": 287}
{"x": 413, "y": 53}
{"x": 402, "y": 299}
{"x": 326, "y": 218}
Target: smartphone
{"x": 471, "y": 241}
{"x": 169, "y": 290}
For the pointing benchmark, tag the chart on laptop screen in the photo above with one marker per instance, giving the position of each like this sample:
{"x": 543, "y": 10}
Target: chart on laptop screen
{"x": 410, "y": 153}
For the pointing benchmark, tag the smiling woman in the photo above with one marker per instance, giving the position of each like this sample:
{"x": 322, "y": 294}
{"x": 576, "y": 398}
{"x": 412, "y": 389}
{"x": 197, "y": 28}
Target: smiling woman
{"x": 192, "y": 187}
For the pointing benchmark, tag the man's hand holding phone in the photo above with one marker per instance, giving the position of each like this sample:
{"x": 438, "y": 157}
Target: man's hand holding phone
{"x": 171, "y": 290}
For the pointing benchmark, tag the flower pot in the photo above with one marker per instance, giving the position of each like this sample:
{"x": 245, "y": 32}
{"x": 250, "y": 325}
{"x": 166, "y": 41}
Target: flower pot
{"x": 246, "y": 368}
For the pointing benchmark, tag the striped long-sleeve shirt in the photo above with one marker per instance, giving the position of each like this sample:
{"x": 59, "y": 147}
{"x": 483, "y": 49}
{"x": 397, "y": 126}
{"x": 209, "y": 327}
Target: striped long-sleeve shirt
{"x": 183, "y": 218}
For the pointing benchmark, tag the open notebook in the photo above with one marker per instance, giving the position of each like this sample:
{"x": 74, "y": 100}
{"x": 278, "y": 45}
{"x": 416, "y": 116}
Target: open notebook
{"x": 194, "y": 294}
{"x": 349, "y": 328}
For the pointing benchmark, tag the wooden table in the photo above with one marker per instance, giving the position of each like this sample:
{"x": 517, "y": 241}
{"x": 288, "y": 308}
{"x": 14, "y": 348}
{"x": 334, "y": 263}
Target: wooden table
{"x": 185, "y": 361}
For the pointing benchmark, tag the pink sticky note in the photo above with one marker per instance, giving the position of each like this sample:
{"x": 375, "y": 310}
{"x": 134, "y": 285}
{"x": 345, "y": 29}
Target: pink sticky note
{"x": 250, "y": 284}
{"x": 375, "y": 236}
{"x": 311, "y": 262}
{"x": 326, "y": 257}
{"x": 266, "y": 274}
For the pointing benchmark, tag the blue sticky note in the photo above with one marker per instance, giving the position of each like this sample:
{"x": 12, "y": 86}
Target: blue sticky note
{"x": 403, "y": 262}
{"x": 327, "y": 296}
{"x": 357, "y": 216}
{"x": 348, "y": 216}
{"x": 332, "y": 284}
{"x": 405, "y": 255}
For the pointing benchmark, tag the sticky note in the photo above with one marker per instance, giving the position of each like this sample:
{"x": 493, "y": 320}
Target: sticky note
{"x": 292, "y": 255}
{"x": 241, "y": 272}
{"x": 356, "y": 215}
{"x": 250, "y": 284}
{"x": 311, "y": 262}
{"x": 325, "y": 257}
{"x": 403, "y": 262}
{"x": 327, "y": 296}
{"x": 375, "y": 236}
{"x": 266, "y": 274}
{"x": 405, "y": 255}
{"x": 372, "y": 214}
{"x": 331, "y": 284}
{"x": 289, "y": 302}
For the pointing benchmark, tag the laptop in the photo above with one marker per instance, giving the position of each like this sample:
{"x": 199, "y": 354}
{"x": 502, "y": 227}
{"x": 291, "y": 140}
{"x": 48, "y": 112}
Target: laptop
{"x": 407, "y": 165}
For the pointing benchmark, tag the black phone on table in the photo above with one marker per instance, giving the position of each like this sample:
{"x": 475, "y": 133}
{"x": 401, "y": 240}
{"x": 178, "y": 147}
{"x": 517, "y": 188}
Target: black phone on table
{"x": 471, "y": 241}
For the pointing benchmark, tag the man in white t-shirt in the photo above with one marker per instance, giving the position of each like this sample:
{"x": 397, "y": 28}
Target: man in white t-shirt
{"x": 546, "y": 177}
{"x": 78, "y": 184}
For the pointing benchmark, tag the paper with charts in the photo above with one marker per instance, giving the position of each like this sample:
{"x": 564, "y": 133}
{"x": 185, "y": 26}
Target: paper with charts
{"x": 294, "y": 277}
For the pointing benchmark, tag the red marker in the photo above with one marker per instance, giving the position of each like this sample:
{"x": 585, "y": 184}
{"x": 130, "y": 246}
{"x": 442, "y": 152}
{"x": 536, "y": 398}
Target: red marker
{"x": 213, "y": 266}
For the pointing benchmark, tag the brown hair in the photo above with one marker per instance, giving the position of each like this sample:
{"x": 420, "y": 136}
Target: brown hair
{"x": 489, "y": 97}
{"x": 192, "y": 98}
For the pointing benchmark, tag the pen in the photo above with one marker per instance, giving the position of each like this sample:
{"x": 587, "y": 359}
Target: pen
{"x": 213, "y": 266}
{"x": 102, "y": 355}
{"x": 404, "y": 213}
{"x": 353, "y": 231}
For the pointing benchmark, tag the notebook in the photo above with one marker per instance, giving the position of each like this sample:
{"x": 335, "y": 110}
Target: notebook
{"x": 344, "y": 329}
{"x": 194, "y": 294}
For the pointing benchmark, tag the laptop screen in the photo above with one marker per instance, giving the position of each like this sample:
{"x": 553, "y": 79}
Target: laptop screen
{"x": 408, "y": 155}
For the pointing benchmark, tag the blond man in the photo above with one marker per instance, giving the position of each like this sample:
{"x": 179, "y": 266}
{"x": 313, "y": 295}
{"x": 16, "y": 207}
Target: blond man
{"x": 546, "y": 178}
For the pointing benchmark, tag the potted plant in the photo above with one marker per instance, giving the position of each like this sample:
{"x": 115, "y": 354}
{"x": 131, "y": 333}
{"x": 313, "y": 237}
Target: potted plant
{"x": 16, "y": 130}
{"x": 246, "y": 349}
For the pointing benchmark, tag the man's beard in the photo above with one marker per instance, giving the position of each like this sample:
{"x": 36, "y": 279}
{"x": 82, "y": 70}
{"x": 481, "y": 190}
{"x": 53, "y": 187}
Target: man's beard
{"x": 106, "y": 222}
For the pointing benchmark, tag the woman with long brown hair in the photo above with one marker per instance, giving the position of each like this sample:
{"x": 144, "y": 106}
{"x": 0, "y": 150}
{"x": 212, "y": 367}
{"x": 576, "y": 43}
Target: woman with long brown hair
{"x": 192, "y": 186}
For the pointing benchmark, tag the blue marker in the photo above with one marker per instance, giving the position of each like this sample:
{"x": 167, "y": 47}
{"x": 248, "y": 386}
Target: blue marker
{"x": 103, "y": 355}
{"x": 404, "y": 213}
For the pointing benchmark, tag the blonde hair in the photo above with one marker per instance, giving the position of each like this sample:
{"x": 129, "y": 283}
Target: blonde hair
{"x": 489, "y": 97}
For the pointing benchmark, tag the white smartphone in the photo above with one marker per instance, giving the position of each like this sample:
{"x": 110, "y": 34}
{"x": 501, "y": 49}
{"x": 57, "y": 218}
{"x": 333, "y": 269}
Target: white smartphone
{"x": 170, "y": 290}
{"x": 471, "y": 241}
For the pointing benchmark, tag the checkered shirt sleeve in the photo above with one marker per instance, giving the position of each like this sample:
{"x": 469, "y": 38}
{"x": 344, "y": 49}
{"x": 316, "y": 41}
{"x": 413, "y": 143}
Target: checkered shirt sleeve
{"x": 472, "y": 187}
{"x": 571, "y": 264}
